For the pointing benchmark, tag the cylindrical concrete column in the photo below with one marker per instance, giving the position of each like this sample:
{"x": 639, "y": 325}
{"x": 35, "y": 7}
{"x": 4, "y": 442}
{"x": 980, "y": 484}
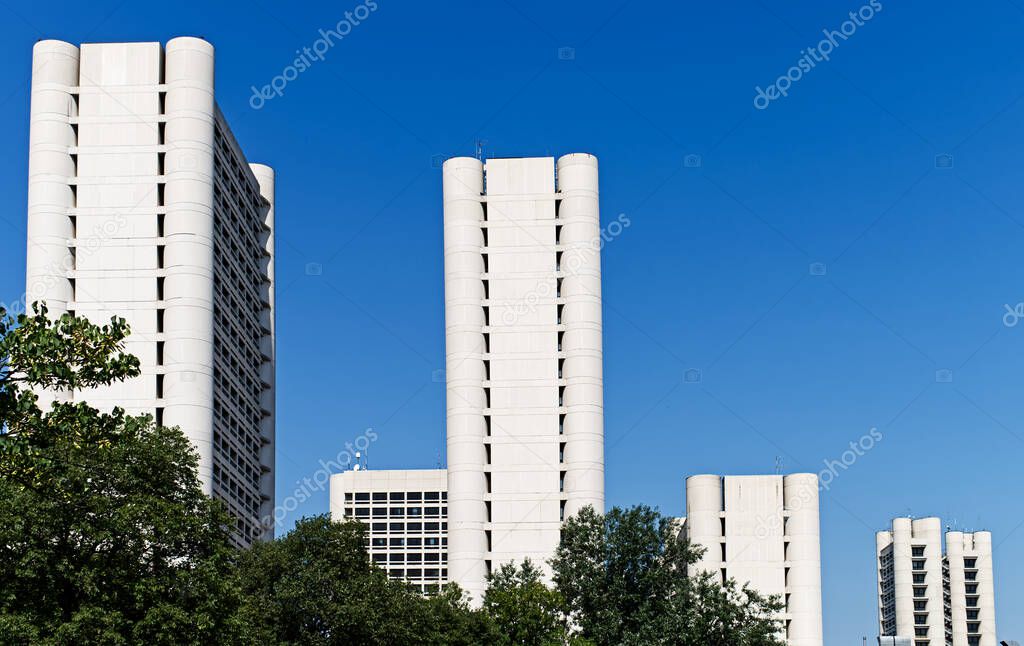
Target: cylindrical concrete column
{"x": 986, "y": 588}
{"x": 903, "y": 581}
{"x": 465, "y": 371}
{"x": 188, "y": 231}
{"x": 955, "y": 544}
{"x": 51, "y": 169}
{"x": 929, "y": 531}
{"x": 704, "y": 520}
{"x": 268, "y": 347}
{"x": 800, "y": 495}
{"x": 579, "y": 244}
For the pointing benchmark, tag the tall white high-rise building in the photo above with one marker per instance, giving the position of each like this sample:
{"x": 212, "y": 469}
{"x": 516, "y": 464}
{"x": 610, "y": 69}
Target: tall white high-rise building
{"x": 142, "y": 205}
{"x": 764, "y": 531}
{"x": 935, "y": 598}
{"x": 525, "y": 423}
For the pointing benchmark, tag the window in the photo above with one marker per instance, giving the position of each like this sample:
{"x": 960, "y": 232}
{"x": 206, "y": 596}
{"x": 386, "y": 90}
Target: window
{"x": 918, "y": 550}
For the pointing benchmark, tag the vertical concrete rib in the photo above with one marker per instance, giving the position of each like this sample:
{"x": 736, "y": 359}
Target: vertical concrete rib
{"x": 51, "y": 196}
{"x": 465, "y": 370}
{"x": 188, "y": 286}
{"x": 803, "y": 559}
{"x": 579, "y": 266}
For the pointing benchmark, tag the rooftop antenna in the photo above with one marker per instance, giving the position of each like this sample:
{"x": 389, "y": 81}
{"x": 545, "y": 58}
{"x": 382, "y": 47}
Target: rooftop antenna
{"x": 359, "y": 465}
{"x": 480, "y": 143}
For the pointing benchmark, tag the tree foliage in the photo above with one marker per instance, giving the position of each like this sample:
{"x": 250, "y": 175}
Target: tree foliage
{"x": 105, "y": 534}
{"x": 525, "y": 611}
{"x": 624, "y": 578}
{"x": 316, "y": 586}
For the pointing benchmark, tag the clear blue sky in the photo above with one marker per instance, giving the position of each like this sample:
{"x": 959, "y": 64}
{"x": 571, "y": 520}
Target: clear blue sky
{"x": 712, "y": 275}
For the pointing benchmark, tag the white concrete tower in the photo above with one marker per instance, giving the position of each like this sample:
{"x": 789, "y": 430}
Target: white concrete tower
{"x": 930, "y": 597}
{"x": 523, "y": 356}
{"x": 142, "y": 205}
{"x": 762, "y": 531}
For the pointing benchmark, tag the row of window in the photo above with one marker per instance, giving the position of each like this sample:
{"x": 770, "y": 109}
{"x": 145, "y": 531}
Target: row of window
{"x": 416, "y": 573}
{"x": 412, "y": 541}
{"x": 399, "y": 557}
{"x": 397, "y": 512}
{"x": 427, "y": 528}
{"x": 396, "y": 496}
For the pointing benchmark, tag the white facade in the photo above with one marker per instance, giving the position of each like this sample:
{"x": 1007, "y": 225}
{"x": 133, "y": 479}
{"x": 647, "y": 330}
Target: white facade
{"x": 931, "y": 597}
{"x": 523, "y": 357}
{"x": 142, "y": 205}
{"x": 762, "y": 530}
{"x": 407, "y": 517}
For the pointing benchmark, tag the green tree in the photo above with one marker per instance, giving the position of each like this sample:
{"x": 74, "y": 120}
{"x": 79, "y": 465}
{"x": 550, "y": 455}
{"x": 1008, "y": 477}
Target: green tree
{"x": 624, "y": 579}
{"x": 525, "y": 611}
{"x": 106, "y": 536}
{"x": 316, "y": 586}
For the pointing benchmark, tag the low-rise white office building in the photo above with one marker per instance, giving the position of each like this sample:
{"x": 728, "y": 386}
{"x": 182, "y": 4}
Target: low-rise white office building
{"x": 763, "y": 531}
{"x": 406, "y": 512}
{"x": 931, "y": 596}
